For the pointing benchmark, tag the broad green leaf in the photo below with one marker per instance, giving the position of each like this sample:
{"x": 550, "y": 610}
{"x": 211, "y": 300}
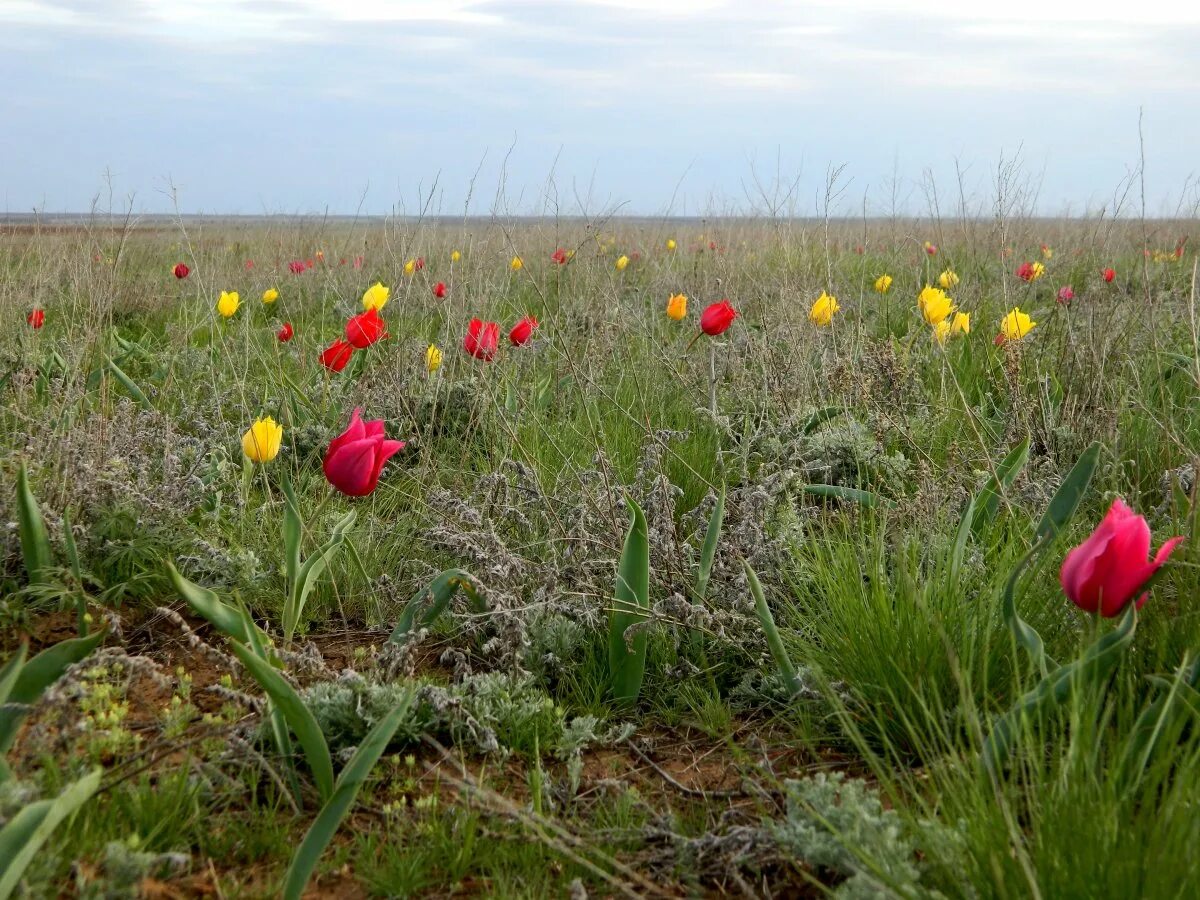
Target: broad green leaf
{"x": 129, "y": 384}
{"x": 8, "y": 675}
{"x": 627, "y": 657}
{"x": 38, "y": 674}
{"x": 298, "y": 716}
{"x": 310, "y": 571}
{"x": 1053, "y": 690}
{"x": 28, "y": 830}
{"x": 210, "y": 607}
{"x": 322, "y": 830}
{"x": 1066, "y": 499}
{"x": 708, "y": 552}
{"x": 778, "y": 652}
{"x": 35, "y": 542}
{"x": 819, "y": 418}
{"x": 433, "y": 599}
{"x": 987, "y": 501}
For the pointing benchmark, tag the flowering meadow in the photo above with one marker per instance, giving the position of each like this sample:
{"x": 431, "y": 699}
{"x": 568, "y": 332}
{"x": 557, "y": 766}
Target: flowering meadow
{"x": 545, "y": 558}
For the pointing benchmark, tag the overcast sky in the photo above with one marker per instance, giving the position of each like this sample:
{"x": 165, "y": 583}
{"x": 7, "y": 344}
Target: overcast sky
{"x": 291, "y": 106}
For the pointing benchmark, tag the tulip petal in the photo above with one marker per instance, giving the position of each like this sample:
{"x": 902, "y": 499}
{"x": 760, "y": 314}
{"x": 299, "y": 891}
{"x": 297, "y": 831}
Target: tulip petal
{"x": 351, "y": 468}
{"x": 1123, "y": 567}
{"x": 355, "y": 431}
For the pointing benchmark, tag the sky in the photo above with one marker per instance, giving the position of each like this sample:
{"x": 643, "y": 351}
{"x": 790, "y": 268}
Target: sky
{"x": 648, "y": 107}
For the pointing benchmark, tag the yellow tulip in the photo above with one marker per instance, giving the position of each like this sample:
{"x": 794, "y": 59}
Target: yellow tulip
{"x": 883, "y": 284}
{"x": 270, "y": 295}
{"x": 410, "y": 267}
{"x": 961, "y": 323}
{"x": 262, "y": 442}
{"x": 934, "y": 304}
{"x": 670, "y": 243}
{"x": 517, "y": 264}
{"x": 376, "y": 296}
{"x": 433, "y": 359}
{"x": 455, "y": 256}
{"x": 1016, "y": 325}
{"x": 948, "y": 279}
{"x": 941, "y": 331}
{"x": 1047, "y": 252}
{"x": 228, "y": 303}
{"x": 823, "y": 309}
{"x": 677, "y": 307}
{"x": 1037, "y": 270}
{"x": 622, "y": 262}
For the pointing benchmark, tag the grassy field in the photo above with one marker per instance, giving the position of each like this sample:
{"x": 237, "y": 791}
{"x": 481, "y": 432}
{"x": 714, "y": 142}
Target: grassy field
{"x": 771, "y": 612}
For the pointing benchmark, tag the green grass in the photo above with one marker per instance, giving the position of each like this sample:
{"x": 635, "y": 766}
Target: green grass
{"x": 518, "y": 471}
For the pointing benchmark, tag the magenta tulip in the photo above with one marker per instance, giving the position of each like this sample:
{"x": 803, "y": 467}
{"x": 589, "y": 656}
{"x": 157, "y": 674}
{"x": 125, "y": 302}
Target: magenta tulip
{"x": 1105, "y": 572}
{"x": 356, "y": 456}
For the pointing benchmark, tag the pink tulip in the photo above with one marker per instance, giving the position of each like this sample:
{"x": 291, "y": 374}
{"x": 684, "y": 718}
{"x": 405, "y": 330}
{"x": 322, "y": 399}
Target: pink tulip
{"x": 1065, "y": 294}
{"x": 357, "y": 456}
{"x": 1105, "y": 572}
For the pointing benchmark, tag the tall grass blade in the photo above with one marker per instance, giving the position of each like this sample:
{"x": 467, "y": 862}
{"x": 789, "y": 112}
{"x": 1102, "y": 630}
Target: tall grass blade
{"x": 787, "y": 672}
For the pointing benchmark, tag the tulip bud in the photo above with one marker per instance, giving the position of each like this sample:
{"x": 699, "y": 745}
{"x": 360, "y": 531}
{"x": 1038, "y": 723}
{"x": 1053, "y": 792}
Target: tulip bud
{"x": 262, "y": 441}
{"x": 181, "y": 271}
{"x": 337, "y": 355}
{"x": 717, "y": 317}
{"x": 1106, "y": 571}
{"x": 356, "y": 457}
{"x": 523, "y": 331}
{"x": 36, "y": 319}
{"x": 482, "y": 339}
{"x": 285, "y": 333}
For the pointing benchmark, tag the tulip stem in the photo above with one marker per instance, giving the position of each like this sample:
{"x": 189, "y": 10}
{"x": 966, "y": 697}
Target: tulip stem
{"x": 712, "y": 380}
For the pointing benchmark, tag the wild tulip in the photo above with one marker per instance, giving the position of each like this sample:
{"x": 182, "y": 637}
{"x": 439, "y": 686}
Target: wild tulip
{"x": 365, "y": 329}
{"x": 622, "y": 262}
{"x": 308, "y": 264}
{"x": 296, "y": 266}
{"x": 930, "y": 249}
{"x": 439, "y": 290}
{"x": 1106, "y": 571}
{"x": 517, "y": 264}
{"x": 1030, "y": 271}
{"x": 419, "y": 263}
{"x": 228, "y": 303}
{"x": 1065, "y": 294}
{"x": 559, "y": 256}
{"x": 375, "y": 297}
{"x": 823, "y": 309}
{"x": 1015, "y": 325}
{"x": 270, "y": 295}
{"x": 717, "y": 317}
{"x": 1109, "y": 274}
{"x": 482, "y": 339}
{"x": 1047, "y": 252}
{"x": 285, "y": 333}
{"x": 948, "y": 279}
{"x": 961, "y": 323}
{"x": 337, "y": 355}
{"x": 523, "y": 331}
{"x": 249, "y": 264}
{"x": 677, "y": 307}
{"x": 671, "y": 244}
{"x": 410, "y": 267}
{"x": 934, "y": 304}
{"x": 455, "y": 256}
{"x": 358, "y": 262}
{"x": 433, "y": 359}
{"x": 356, "y": 457}
{"x": 36, "y": 319}
{"x": 262, "y": 441}
{"x": 941, "y": 331}
{"x": 883, "y": 284}
{"x": 181, "y": 271}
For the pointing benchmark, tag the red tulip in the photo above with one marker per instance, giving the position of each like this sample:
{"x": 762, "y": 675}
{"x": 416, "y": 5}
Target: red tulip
{"x": 1109, "y": 274}
{"x": 249, "y": 264}
{"x": 523, "y": 331}
{"x": 36, "y": 319}
{"x": 285, "y": 333}
{"x": 337, "y": 355}
{"x": 419, "y": 263}
{"x": 1105, "y": 572}
{"x": 712, "y": 245}
{"x": 181, "y": 271}
{"x": 365, "y": 329}
{"x": 717, "y": 317}
{"x": 439, "y": 290}
{"x": 308, "y": 264}
{"x": 930, "y": 249}
{"x": 297, "y": 266}
{"x": 482, "y": 339}
{"x": 1025, "y": 271}
{"x": 358, "y": 262}
{"x": 1065, "y": 294}
{"x": 357, "y": 456}
{"x": 559, "y": 256}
